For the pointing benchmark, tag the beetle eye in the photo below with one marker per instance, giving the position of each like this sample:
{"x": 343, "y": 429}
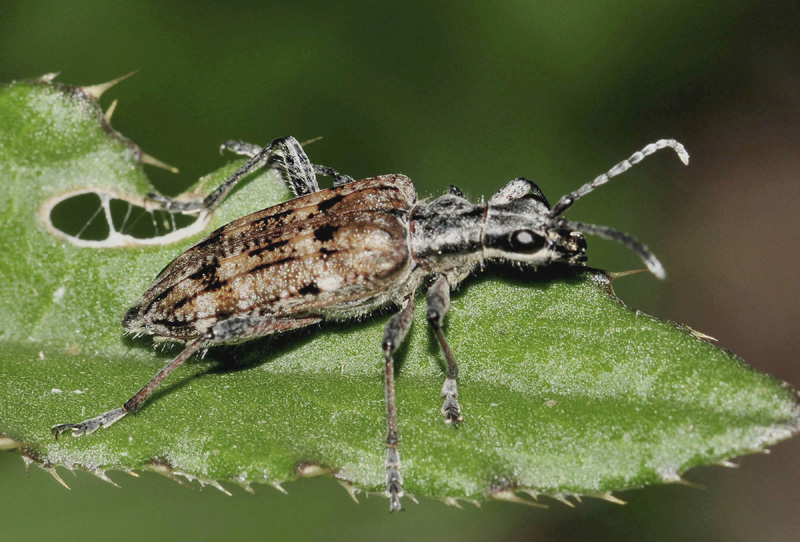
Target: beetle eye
{"x": 526, "y": 241}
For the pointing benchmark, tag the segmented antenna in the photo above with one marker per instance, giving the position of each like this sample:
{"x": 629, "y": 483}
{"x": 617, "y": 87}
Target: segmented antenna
{"x": 566, "y": 201}
{"x": 649, "y": 259}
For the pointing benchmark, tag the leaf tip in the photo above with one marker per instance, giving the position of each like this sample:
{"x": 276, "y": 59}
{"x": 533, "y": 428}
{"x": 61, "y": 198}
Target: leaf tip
{"x": 508, "y": 495}
{"x": 279, "y": 487}
{"x": 98, "y": 90}
{"x": 611, "y": 498}
{"x": 8, "y": 443}
{"x": 147, "y": 159}
{"x": 350, "y": 488}
{"x": 110, "y": 111}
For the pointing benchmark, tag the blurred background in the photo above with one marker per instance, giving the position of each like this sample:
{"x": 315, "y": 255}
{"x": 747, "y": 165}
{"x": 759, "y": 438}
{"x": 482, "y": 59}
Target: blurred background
{"x": 473, "y": 94}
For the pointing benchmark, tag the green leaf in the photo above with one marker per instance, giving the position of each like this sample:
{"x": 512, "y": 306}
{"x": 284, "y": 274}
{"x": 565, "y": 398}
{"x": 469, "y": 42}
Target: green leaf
{"x": 565, "y": 391}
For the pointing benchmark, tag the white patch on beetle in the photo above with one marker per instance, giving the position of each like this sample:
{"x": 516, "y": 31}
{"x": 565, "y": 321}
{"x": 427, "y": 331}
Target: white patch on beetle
{"x": 329, "y": 282}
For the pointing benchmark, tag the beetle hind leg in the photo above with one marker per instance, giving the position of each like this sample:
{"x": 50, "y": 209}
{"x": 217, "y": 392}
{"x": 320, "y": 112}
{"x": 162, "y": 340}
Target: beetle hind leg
{"x": 285, "y": 153}
{"x": 249, "y": 149}
{"x": 87, "y": 427}
{"x": 231, "y": 330}
{"x": 240, "y": 147}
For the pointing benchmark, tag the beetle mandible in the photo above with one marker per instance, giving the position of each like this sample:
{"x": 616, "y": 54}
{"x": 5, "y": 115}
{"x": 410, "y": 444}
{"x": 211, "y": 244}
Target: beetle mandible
{"x": 341, "y": 252}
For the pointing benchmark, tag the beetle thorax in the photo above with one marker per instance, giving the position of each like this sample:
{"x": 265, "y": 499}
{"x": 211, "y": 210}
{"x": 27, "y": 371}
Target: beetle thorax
{"x": 446, "y": 233}
{"x": 451, "y": 235}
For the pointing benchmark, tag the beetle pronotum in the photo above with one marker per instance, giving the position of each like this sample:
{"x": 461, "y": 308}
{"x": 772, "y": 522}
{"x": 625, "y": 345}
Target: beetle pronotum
{"x": 340, "y": 253}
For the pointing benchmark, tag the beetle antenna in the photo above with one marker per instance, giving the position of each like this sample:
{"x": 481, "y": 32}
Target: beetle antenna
{"x": 649, "y": 259}
{"x": 566, "y": 201}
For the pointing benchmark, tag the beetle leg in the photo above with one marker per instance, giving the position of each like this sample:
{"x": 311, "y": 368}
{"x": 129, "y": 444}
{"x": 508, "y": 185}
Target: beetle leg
{"x": 240, "y": 147}
{"x": 286, "y": 152}
{"x": 291, "y": 159}
{"x": 248, "y": 149}
{"x": 516, "y": 189}
{"x": 87, "y": 427}
{"x": 455, "y": 191}
{"x": 393, "y": 335}
{"x": 244, "y": 328}
{"x": 230, "y": 330}
{"x": 338, "y": 178}
{"x": 438, "y": 301}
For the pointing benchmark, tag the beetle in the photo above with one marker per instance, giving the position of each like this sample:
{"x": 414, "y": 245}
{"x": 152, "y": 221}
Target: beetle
{"x": 342, "y": 252}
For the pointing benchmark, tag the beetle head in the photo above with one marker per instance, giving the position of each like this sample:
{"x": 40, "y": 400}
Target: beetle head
{"x": 528, "y": 229}
{"x": 520, "y": 230}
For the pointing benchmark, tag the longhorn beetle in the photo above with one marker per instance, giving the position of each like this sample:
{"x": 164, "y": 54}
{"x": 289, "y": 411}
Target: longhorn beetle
{"x": 339, "y": 253}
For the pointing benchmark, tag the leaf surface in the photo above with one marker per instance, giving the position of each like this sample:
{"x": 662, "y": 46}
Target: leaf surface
{"x": 564, "y": 389}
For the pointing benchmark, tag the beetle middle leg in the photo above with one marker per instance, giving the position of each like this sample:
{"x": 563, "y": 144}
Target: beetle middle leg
{"x": 393, "y": 335}
{"x": 230, "y": 330}
{"x": 438, "y": 302}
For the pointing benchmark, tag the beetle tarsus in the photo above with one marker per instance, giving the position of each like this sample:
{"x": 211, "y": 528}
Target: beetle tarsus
{"x": 172, "y": 205}
{"x": 451, "y": 409}
{"x": 87, "y": 427}
{"x": 240, "y": 147}
{"x": 394, "y": 480}
{"x": 393, "y": 335}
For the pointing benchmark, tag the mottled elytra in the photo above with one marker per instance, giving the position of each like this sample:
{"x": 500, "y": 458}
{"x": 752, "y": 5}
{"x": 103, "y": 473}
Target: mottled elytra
{"x": 339, "y": 253}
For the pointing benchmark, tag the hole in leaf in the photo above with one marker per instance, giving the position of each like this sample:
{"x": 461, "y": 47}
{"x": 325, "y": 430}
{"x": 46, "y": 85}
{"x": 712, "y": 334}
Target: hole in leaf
{"x": 142, "y": 223}
{"x": 93, "y": 217}
{"x": 81, "y": 216}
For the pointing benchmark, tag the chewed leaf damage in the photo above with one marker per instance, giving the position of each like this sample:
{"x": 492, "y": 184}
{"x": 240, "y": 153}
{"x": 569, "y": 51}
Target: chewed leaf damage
{"x": 105, "y": 218}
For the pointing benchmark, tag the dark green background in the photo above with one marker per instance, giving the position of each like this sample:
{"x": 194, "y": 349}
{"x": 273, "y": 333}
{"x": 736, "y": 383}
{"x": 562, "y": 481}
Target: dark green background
{"x": 472, "y": 94}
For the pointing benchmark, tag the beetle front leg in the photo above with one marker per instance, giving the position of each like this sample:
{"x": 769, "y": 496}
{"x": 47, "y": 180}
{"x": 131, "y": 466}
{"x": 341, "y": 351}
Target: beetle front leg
{"x": 393, "y": 335}
{"x": 438, "y": 302}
